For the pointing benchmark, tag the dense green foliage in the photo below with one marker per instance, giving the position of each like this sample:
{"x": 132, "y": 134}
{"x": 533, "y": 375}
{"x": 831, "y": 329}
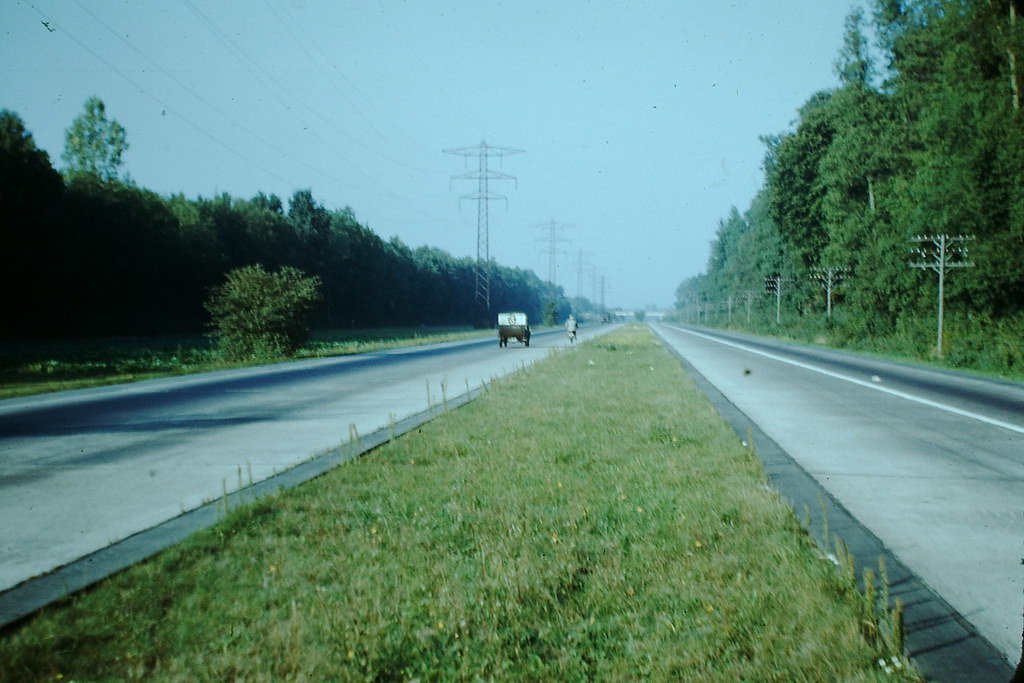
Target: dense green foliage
{"x": 88, "y": 253}
{"x": 94, "y": 144}
{"x": 257, "y": 314}
{"x": 923, "y": 136}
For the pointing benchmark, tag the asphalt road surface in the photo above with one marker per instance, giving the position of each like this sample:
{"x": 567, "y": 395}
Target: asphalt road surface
{"x": 931, "y": 462}
{"x": 81, "y": 470}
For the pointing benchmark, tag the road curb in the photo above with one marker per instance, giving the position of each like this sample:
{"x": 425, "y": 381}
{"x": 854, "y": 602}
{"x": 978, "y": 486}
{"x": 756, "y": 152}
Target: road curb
{"x": 940, "y": 641}
{"x": 30, "y": 596}
{"x": 26, "y": 598}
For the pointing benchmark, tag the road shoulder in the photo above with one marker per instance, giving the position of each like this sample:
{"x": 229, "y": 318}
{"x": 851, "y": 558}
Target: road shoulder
{"x": 941, "y": 642}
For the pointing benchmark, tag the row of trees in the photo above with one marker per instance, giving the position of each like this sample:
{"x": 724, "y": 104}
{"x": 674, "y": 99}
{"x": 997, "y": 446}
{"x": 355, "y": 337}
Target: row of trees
{"x": 88, "y": 253}
{"x": 923, "y": 136}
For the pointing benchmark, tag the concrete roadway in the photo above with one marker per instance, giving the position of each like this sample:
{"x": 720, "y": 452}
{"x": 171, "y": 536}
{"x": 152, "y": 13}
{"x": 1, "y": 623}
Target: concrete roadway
{"x": 81, "y": 470}
{"x": 931, "y": 462}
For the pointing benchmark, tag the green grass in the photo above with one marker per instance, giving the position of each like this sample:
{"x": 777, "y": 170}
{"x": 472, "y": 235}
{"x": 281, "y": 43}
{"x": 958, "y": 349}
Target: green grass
{"x": 34, "y": 368}
{"x": 591, "y": 518}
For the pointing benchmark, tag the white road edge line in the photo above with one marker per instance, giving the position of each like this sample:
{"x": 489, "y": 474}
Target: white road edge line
{"x": 869, "y": 385}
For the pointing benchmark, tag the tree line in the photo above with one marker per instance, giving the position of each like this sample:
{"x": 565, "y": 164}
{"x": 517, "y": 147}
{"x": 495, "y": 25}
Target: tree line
{"x": 89, "y": 253}
{"x": 923, "y": 136}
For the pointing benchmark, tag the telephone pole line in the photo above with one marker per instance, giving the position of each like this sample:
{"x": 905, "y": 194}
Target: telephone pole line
{"x": 748, "y": 296}
{"x": 773, "y": 285}
{"x": 553, "y": 239}
{"x": 483, "y": 175}
{"x": 939, "y": 253}
{"x": 829, "y": 277}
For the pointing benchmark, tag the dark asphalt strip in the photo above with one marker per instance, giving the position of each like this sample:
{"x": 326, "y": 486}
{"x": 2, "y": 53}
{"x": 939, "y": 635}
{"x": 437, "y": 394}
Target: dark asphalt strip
{"x": 943, "y": 645}
{"x": 97, "y": 414}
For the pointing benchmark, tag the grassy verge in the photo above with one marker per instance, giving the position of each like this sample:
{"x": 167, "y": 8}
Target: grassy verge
{"x": 35, "y": 368}
{"x": 591, "y": 518}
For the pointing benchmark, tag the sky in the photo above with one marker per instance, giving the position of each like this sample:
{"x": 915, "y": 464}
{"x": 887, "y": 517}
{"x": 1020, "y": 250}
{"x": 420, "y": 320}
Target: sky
{"x": 638, "y": 122}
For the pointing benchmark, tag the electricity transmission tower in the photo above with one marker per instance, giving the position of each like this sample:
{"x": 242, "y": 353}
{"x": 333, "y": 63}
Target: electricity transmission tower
{"x": 829, "y": 277}
{"x": 553, "y": 239}
{"x": 939, "y": 253}
{"x": 483, "y": 175}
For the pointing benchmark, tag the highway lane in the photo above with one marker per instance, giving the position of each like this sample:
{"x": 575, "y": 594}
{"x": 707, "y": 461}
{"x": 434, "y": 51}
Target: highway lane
{"x": 80, "y": 470}
{"x": 930, "y": 461}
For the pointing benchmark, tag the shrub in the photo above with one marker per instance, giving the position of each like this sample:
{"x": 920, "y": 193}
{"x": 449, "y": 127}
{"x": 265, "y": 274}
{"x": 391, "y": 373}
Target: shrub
{"x": 260, "y": 314}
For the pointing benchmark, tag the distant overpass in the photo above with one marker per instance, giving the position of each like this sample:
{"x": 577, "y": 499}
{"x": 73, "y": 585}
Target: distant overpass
{"x": 623, "y": 314}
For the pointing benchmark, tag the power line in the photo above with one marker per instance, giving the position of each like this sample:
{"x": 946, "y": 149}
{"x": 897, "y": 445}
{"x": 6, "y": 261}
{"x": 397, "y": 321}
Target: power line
{"x": 378, "y": 115}
{"x": 275, "y": 88}
{"x": 161, "y": 103}
{"x": 264, "y": 141}
{"x": 483, "y": 175}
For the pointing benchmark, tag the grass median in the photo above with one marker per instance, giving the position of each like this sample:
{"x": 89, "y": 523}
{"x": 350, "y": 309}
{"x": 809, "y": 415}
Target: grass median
{"x": 591, "y": 518}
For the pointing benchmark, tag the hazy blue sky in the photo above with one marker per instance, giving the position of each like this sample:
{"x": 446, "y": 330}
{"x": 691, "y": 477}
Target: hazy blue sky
{"x": 639, "y": 120}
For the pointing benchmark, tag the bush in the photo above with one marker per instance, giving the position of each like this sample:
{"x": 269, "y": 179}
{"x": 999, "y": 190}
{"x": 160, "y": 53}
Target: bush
{"x": 260, "y": 314}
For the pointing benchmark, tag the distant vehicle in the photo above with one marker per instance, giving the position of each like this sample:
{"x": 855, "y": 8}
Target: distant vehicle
{"x": 513, "y": 326}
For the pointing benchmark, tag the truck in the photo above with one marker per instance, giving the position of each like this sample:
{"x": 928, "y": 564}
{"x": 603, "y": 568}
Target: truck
{"x": 513, "y": 326}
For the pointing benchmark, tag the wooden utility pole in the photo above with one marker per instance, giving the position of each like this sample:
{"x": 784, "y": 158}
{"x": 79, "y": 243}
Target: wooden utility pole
{"x": 748, "y": 298}
{"x": 829, "y": 277}
{"x": 939, "y": 253}
{"x": 773, "y": 285}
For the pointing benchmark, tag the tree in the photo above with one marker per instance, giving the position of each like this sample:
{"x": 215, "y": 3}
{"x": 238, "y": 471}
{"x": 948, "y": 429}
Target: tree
{"x": 854, "y": 65}
{"x": 30, "y": 230}
{"x": 95, "y": 145}
{"x": 22, "y": 164}
{"x": 309, "y": 218}
{"x": 27, "y": 180}
{"x": 954, "y": 75}
{"x": 260, "y": 314}
{"x": 795, "y": 188}
{"x": 88, "y": 254}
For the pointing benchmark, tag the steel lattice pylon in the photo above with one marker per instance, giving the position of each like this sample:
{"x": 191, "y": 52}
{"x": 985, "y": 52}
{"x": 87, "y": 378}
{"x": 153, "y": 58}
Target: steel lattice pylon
{"x": 483, "y": 175}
